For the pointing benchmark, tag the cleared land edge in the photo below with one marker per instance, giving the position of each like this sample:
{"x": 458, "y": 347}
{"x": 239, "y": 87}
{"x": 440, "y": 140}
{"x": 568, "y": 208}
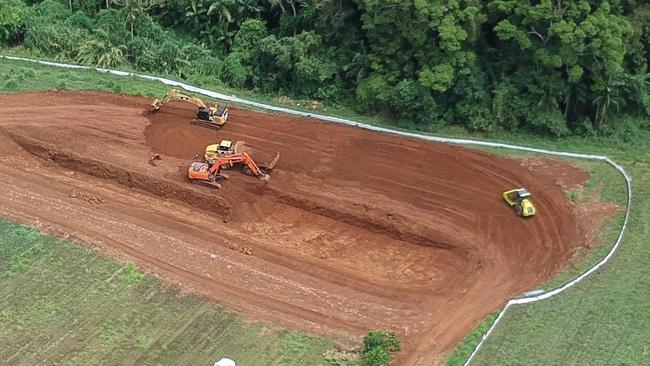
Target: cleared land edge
{"x": 515, "y": 301}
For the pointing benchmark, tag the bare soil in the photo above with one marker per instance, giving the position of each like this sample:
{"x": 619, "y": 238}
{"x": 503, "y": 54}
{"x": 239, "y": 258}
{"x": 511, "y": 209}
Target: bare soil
{"x": 356, "y": 230}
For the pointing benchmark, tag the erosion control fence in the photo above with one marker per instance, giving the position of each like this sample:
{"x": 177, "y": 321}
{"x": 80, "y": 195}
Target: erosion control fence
{"x": 538, "y": 296}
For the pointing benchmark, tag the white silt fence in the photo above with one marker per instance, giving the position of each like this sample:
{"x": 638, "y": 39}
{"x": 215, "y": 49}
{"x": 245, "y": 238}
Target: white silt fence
{"x": 516, "y": 301}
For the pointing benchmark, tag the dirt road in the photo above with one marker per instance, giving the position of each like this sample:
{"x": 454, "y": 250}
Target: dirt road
{"x": 356, "y": 230}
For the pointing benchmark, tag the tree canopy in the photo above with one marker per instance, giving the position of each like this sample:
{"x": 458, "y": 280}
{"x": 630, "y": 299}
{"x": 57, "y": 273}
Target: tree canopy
{"x": 548, "y": 67}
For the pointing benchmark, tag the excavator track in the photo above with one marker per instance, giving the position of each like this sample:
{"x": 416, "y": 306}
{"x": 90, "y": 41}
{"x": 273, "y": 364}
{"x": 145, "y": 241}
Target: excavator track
{"x": 207, "y": 124}
{"x": 207, "y": 183}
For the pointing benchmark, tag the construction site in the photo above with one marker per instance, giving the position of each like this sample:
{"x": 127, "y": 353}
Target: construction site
{"x": 351, "y": 230}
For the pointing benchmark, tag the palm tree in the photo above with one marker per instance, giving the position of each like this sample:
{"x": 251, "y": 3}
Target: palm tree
{"x": 196, "y": 11}
{"x": 134, "y": 9}
{"x": 279, "y": 3}
{"x": 611, "y": 96}
{"x": 220, "y": 7}
{"x": 293, "y": 3}
{"x": 231, "y": 13}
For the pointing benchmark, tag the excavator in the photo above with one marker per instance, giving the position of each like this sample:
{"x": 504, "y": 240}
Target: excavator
{"x": 208, "y": 172}
{"x": 208, "y": 115}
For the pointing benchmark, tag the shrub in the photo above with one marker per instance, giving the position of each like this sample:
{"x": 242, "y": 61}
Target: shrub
{"x": 130, "y": 275}
{"x": 146, "y": 27}
{"x": 626, "y": 128}
{"x": 12, "y": 15}
{"x": 100, "y": 54}
{"x": 378, "y": 346}
{"x": 55, "y": 40}
{"x": 377, "y": 338}
{"x": 378, "y": 356}
{"x": 61, "y": 85}
{"x": 234, "y": 72}
{"x": 11, "y": 84}
{"x": 207, "y": 67}
{"x": 141, "y": 53}
{"x": 584, "y": 127}
{"x": 79, "y": 20}
{"x": 112, "y": 23}
{"x": 168, "y": 58}
{"x": 46, "y": 13}
{"x": 549, "y": 121}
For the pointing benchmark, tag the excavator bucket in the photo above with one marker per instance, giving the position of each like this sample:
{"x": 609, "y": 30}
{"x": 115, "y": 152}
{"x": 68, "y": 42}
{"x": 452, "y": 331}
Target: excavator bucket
{"x": 269, "y": 166}
{"x": 155, "y": 105}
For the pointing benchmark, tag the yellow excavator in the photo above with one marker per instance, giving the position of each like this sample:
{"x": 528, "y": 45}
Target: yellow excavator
{"x": 208, "y": 115}
{"x": 519, "y": 198}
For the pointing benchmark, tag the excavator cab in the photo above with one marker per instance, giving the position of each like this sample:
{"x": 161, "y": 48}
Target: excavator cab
{"x": 199, "y": 170}
{"x": 520, "y": 199}
{"x": 203, "y": 114}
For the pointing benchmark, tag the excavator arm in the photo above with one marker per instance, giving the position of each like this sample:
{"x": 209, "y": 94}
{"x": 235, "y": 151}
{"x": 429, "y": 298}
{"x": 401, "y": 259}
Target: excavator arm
{"x": 176, "y": 95}
{"x": 250, "y": 167}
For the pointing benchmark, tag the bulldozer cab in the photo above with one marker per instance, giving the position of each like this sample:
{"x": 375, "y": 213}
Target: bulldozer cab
{"x": 225, "y": 145}
{"x": 213, "y": 152}
{"x": 520, "y": 195}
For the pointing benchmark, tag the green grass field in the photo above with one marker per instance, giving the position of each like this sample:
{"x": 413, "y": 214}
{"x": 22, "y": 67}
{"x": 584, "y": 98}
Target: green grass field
{"x": 61, "y": 304}
{"x": 603, "y": 321}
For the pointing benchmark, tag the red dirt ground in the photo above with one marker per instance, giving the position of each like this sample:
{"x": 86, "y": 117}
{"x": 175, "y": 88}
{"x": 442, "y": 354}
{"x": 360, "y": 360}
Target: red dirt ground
{"x": 356, "y": 230}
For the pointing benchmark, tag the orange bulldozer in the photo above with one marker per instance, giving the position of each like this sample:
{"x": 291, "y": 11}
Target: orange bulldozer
{"x": 208, "y": 172}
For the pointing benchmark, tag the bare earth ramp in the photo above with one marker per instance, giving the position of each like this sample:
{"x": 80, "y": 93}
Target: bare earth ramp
{"x": 357, "y": 230}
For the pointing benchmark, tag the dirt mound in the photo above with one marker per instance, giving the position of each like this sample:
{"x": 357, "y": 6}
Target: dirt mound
{"x": 356, "y": 230}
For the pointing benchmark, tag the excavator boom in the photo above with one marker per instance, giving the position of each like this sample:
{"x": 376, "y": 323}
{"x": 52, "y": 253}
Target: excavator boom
{"x": 176, "y": 95}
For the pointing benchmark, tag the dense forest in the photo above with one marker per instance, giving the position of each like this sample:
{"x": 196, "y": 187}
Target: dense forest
{"x": 549, "y": 67}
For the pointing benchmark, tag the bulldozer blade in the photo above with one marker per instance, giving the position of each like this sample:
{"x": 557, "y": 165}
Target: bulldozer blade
{"x": 206, "y": 124}
{"x": 269, "y": 166}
